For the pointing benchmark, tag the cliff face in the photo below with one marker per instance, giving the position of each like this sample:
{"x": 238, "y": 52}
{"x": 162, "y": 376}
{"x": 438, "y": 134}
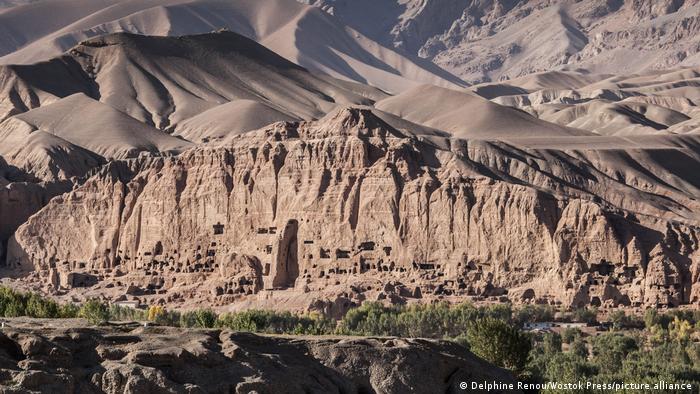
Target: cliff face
{"x": 349, "y": 208}
{"x": 21, "y": 197}
{"x": 166, "y": 360}
{"x": 313, "y": 209}
{"x": 113, "y": 96}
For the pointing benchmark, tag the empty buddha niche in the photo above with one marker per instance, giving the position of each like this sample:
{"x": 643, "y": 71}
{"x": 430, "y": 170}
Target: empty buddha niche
{"x": 284, "y": 269}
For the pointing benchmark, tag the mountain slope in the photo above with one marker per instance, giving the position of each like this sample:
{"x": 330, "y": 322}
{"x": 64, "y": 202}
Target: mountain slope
{"x": 229, "y": 119}
{"x": 302, "y": 34}
{"x": 139, "y": 76}
{"x": 117, "y": 96}
{"x": 100, "y": 128}
{"x": 43, "y": 155}
{"x": 466, "y": 115}
{"x": 483, "y": 41}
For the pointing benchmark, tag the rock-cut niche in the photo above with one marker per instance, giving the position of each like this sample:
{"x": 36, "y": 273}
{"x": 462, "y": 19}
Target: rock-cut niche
{"x": 285, "y": 263}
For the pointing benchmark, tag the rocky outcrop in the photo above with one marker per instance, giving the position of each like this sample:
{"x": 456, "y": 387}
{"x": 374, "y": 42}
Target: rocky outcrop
{"x": 21, "y": 197}
{"x": 300, "y": 215}
{"x": 75, "y": 359}
{"x": 495, "y": 40}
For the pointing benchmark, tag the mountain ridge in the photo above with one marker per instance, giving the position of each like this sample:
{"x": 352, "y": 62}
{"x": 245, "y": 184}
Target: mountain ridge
{"x": 286, "y": 27}
{"x": 490, "y": 41}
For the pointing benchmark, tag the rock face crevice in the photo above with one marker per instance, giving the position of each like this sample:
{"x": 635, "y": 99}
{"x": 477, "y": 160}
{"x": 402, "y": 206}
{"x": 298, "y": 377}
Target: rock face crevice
{"x": 350, "y": 202}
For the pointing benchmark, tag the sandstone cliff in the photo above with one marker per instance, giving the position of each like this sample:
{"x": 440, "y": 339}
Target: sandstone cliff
{"x": 327, "y": 214}
{"x": 121, "y": 96}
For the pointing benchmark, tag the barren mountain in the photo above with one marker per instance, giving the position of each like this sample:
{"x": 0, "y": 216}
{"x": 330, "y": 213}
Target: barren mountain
{"x": 393, "y": 45}
{"x": 636, "y": 106}
{"x": 484, "y": 41}
{"x": 302, "y": 34}
{"x": 466, "y": 115}
{"x": 143, "y": 91}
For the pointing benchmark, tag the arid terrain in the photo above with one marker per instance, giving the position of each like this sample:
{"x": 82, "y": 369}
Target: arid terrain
{"x": 209, "y": 170}
{"x": 50, "y": 356}
{"x": 501, "y": 174}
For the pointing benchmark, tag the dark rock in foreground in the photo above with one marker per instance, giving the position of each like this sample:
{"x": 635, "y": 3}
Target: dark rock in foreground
{"x": 58, "y": 357}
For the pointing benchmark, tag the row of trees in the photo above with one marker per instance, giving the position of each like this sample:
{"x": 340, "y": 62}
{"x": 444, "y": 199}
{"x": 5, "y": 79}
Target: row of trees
{"x": 661, "y": 346}
{"x": 614, "y": 357}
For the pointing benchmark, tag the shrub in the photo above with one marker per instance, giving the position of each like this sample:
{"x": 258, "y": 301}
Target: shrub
{"x": 168, "y": 318}
{"x": 204, "y": 318}
{"x": 125, "y": 313}
{"x": 570, "y": 334}
{"x": 188, "y": 319}
{"x": 95, "y": 311}
{"x": 68, "y": 310}
{"x": 499, "y": 342}
{"x": 462, "y": 340}
{"x": 586, "y": 315}
{"x": 12, "y": 303}
{"x": 440, "y": 320}
{"x": 533, "y": 314}
{"x": 37, "y": 306}
{"x": 276, "y": 322}
{"x": 370, "y": 318}
{"x": 155, "y": 312}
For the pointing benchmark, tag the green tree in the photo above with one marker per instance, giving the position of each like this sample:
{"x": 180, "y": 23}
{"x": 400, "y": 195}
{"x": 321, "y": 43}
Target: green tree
{"x": 533, "y": 314}
{"x": 680, "y": 330}
{"x": 619, "y": 320}
{"x": 610, "y": 350}
{"x": 585, "y": 315}
{"x": 579, "y": 348}
{"x": 651, "y": 318}
{"x": 95, "y": 311}
{"x": 499, "y": 342}
{"x": 570, "y": 334}
{"x": 204, "y": 318}
{"x": 568, "y": 367}
{"x": 40, "y": 307}
{"x": 551, "y": 343}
